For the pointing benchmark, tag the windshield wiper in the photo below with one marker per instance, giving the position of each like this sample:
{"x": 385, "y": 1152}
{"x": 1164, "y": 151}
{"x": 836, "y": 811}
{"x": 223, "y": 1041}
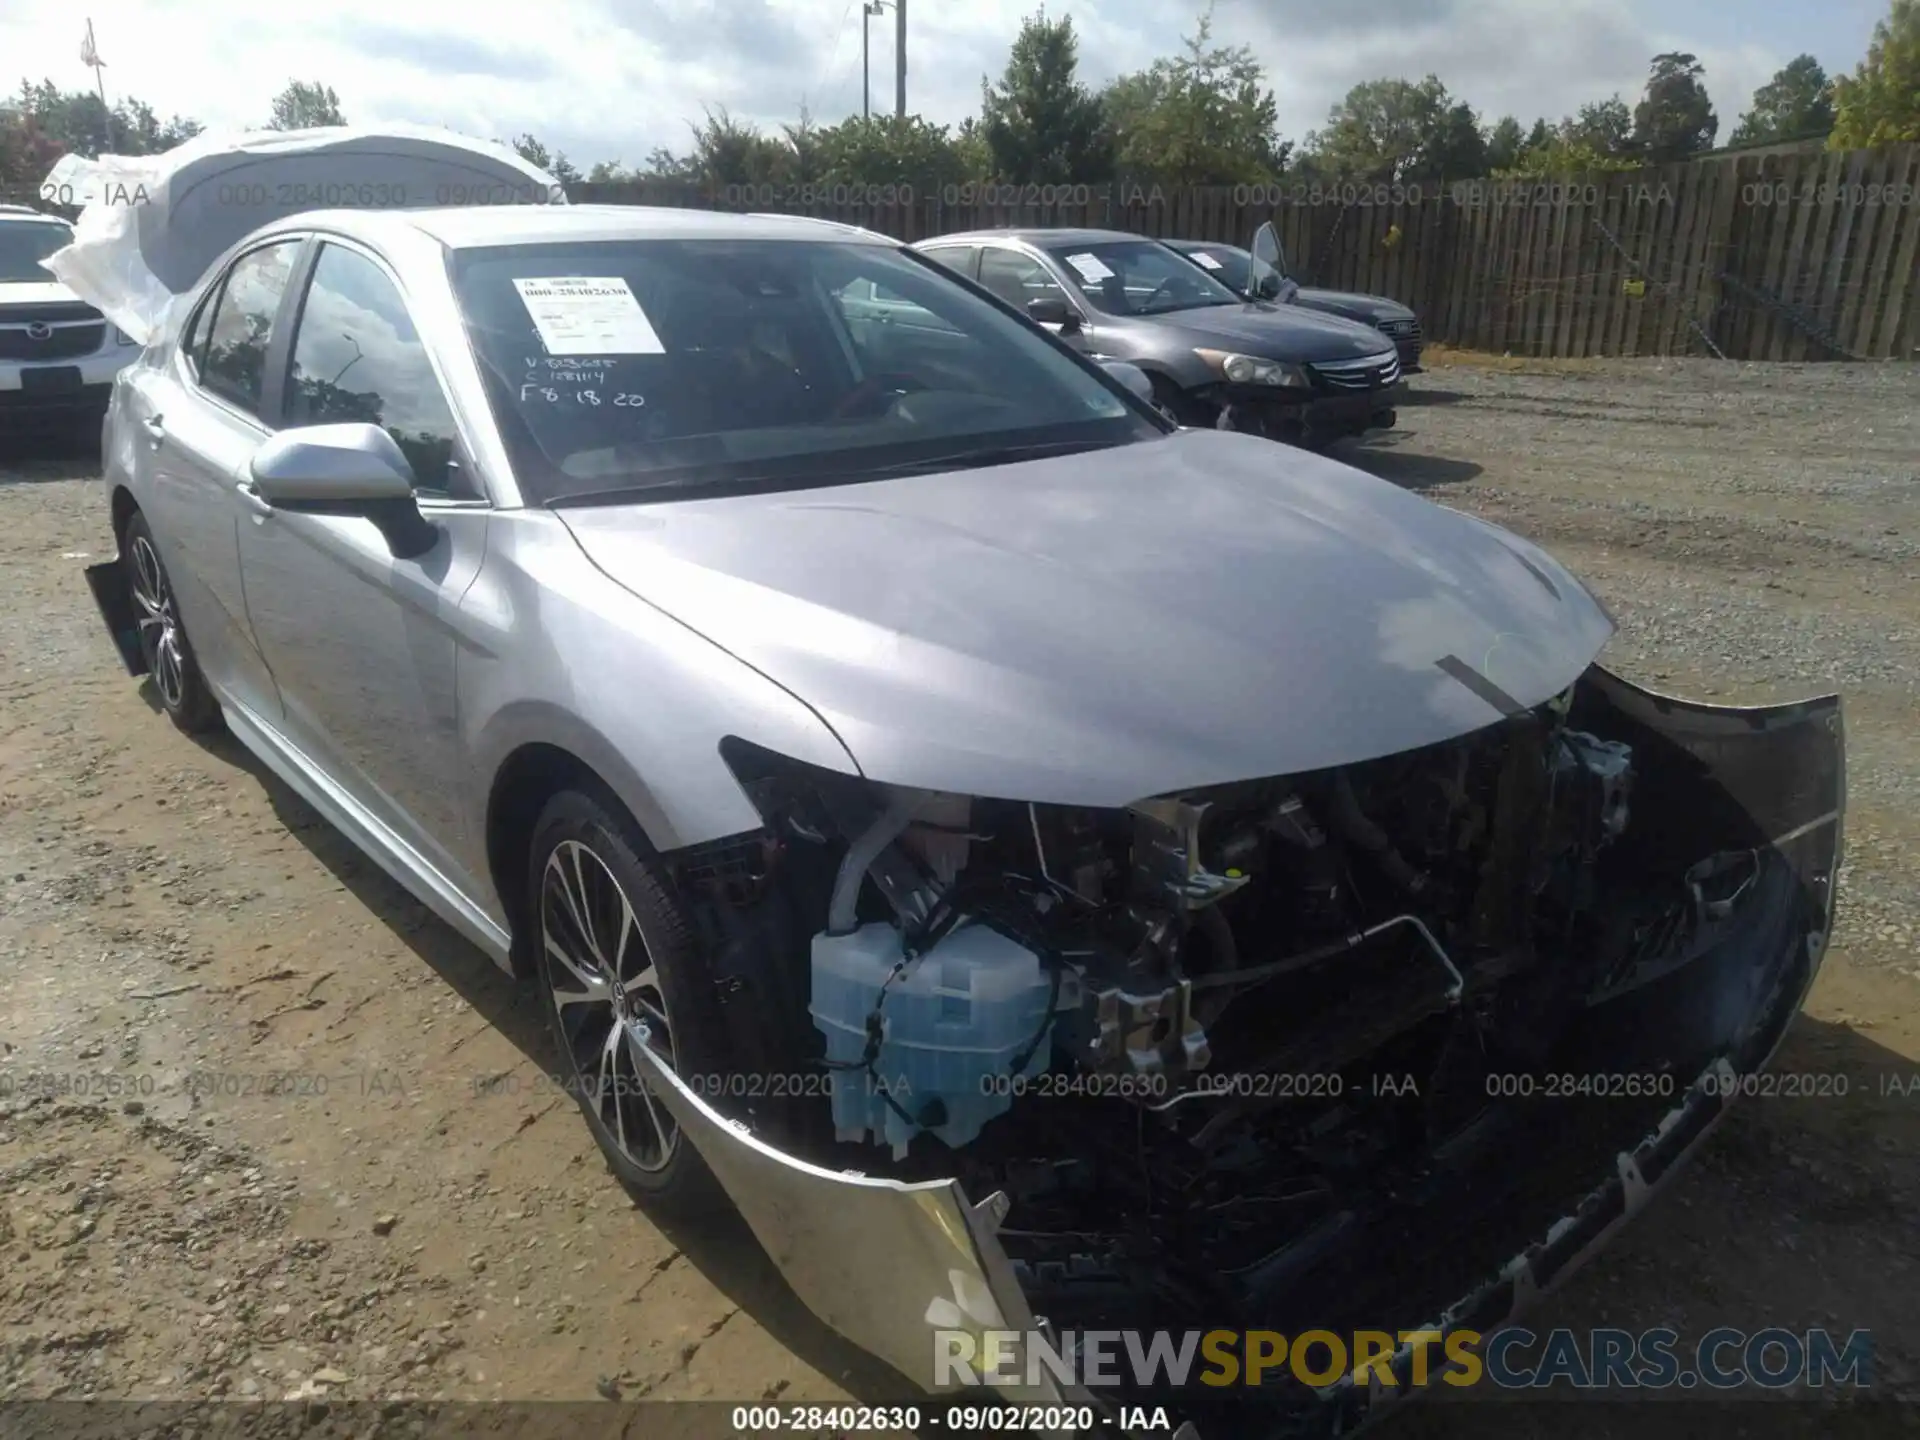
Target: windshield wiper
{"x": 982, "y": 458}
{"x": 686, "y": 487}
{"x": 682, "y": 487}
{"x": 1204, "y": 303}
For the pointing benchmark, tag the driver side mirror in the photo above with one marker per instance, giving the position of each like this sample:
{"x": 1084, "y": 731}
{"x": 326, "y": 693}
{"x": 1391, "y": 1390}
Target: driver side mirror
{"x": 1267, "y": 279}
{"x": 353, "y": 469}
{"x": 1051, "y": 310}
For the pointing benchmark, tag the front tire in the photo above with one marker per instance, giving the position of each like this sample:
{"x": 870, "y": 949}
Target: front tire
{"x": 614, "y": 947}
{"x": 177, "y": 680}
{"x": 1180, "y": 407}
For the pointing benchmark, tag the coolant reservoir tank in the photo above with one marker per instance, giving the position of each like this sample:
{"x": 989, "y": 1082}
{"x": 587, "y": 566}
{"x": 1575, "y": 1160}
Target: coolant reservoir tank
{"x": 954, "y": 1024}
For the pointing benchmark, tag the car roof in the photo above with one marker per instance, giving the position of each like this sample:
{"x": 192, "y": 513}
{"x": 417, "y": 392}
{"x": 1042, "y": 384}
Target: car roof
{"x": 461, "y": 227}
{"x": 1034, "y": 237}
{"x": 1189, "y": 246}
{"x": 27, "y": 212}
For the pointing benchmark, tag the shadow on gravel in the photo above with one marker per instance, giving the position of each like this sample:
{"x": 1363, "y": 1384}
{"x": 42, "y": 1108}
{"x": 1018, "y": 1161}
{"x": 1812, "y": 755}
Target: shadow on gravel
{"x": 1384, "y": 458}
{"x": 27, "y": 459}
{"x": 724, "y": 1250}
{"x": 1421, "y": 395}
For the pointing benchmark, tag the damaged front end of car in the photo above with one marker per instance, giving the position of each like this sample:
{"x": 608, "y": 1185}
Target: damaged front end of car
{"x": 1388, "y": 1047}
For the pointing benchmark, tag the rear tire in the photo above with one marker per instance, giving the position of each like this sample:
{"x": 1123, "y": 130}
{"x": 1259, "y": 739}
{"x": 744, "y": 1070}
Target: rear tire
{"x": 177, "y": 680}
{"x": 613, "y": 945}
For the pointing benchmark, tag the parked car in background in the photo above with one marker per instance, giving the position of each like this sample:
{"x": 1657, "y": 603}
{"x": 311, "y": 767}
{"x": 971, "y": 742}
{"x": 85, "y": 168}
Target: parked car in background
{"x": 58, "y": 354}
{"x": 1234, "y": 267}
{"x": 1215, "y": 358}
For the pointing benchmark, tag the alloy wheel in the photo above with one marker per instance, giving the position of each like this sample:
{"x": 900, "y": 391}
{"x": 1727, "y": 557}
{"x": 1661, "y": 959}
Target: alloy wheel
{"x": 606, "y": 991}
{"x": 159, "y": 622}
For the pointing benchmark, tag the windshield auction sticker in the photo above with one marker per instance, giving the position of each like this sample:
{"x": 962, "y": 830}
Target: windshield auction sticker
{"x": 1091, "y": 269}
{"x": 1200, "y": 257}
{"x": 588, "y": 315}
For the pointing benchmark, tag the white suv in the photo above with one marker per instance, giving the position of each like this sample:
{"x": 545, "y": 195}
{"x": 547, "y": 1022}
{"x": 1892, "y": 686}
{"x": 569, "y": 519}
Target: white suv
{"x": 58, "y": 355}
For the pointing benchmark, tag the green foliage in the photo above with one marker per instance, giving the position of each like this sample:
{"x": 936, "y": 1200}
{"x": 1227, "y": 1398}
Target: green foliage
{"x": 1040, "y": 124}
{"x": 1456, "y": 149}
{"x": 27, "y": 152}
{"x": 1880, "y": 103}
{"x": 1504, "y": 143}
{"x": 727, "y": 151}
{"x": 305, "y": 105}
{"x": 876, "y": 150}
{"x": 972, "y": 155}
{"x": 1206, "y": 117}
{"x": 803, "y": 139}
{"x": 889, "y": 150}
{"x": 42, "y": 122}
{"x": 1603, "y": 126}
{"x": 1674, "y": 118}
{"x": 1561, "y": 157}
{"x": 1402, "y": 130}
{"x": 1797, "y": 104}
{"x": 555, "y": 163}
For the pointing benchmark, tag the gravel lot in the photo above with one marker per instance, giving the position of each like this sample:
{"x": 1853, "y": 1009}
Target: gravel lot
{"x": 315, "y": 1154}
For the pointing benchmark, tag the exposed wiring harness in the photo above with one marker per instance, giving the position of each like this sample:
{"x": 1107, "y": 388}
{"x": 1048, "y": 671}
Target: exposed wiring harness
{"x": 947, "y": 916}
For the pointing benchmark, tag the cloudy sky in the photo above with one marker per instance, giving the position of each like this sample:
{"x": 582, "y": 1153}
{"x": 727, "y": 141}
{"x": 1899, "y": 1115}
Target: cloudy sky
{"x": 611, "y": 79}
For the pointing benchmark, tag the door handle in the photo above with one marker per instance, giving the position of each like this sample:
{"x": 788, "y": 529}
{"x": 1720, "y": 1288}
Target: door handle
{"x": 155, "y": 427}
{"x": 250, "y": 498}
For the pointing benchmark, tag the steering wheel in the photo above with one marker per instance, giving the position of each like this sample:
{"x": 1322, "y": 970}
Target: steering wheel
{"x": 1147, "y": 304}
{"x": 888, "y": 383}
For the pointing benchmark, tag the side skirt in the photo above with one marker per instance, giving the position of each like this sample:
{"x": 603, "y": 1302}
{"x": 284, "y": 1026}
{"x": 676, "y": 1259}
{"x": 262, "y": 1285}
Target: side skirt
{"x": 400, "y": 860}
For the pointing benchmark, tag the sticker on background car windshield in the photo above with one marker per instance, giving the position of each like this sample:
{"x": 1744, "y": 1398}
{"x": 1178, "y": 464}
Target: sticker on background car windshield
{"x": 1200, "y": 257}
{"x": 1090, "y": 268}
{"x": 588, "y": 315}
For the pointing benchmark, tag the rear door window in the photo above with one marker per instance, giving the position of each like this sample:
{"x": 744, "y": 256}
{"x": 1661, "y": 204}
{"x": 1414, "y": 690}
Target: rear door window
{"x": 1017, "y": 278}
{"x": 241, "y": 331}
{"x": 961, "y": 259}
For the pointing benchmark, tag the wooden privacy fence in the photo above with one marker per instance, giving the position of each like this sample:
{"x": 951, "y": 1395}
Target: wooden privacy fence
{"x": 1759, "y": 257}
{"x": 1765, "y": 257}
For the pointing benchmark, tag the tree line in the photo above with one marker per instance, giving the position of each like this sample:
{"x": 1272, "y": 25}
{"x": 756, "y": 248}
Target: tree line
{"x": 1203, "y": 116}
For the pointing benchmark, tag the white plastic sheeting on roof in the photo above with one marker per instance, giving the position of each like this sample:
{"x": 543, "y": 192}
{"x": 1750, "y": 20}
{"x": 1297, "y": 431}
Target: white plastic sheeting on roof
{"x": 151, "y": 224}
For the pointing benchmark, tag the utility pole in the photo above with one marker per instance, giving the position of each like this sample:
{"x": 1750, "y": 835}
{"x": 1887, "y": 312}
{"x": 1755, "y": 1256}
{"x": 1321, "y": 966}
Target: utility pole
{"x": 900, "y": 59}
{"x": 868, "y": 9}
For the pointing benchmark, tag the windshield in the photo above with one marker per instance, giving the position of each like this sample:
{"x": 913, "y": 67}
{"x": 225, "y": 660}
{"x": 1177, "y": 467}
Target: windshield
{"x": 25, "y": 243}
{"x": 1226, "y": 263}
{"x": 1140, "y": 277}
{"x": 656, "y": 366}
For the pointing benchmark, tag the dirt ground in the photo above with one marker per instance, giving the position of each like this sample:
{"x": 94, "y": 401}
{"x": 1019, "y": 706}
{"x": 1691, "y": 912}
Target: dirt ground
{"x": 310, "y": 1150}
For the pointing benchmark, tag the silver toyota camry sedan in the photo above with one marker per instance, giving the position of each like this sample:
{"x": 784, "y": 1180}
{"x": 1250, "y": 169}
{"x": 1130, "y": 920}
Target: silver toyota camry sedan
{"x": 1051, "y": 870}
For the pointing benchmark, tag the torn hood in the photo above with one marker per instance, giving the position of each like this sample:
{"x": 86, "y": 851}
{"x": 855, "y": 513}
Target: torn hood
{"x": 152, "y": 224}
{"x": 1095, "y": 629}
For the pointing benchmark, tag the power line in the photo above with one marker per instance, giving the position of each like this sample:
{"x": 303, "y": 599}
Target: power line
{"x": 833, "y": 56}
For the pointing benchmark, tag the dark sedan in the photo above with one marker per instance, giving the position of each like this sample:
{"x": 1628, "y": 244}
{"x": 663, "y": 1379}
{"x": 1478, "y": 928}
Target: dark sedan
{"x": 1215, "y": 358}
{"x": 1233, "y": 267}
